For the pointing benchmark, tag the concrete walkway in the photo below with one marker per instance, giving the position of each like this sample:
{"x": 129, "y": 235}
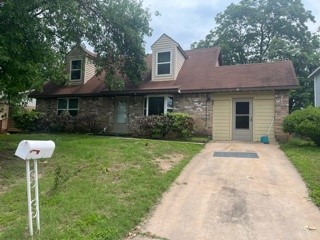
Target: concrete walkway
{"x": 235, "y": 198}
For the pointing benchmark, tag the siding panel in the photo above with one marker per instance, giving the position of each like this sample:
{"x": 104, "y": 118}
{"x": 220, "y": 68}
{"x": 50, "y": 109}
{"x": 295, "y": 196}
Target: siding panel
{"x": 221, "y": 120}
{"x": 164, "y": 44}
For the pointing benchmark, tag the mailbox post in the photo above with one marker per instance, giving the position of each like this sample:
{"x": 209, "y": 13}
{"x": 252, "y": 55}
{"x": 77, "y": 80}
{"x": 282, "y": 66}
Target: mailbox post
{"x": 30, "y": 150}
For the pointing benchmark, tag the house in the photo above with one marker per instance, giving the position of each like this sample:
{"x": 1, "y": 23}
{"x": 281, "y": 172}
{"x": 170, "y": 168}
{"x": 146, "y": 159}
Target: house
{"x": 238, "y": 102}
{"x": 316, "y": 76}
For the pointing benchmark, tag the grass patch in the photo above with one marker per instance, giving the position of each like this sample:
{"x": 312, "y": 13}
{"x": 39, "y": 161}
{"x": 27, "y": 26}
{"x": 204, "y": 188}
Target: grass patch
{"x": 93, "y": 187}
{"x": 305, "y": 156}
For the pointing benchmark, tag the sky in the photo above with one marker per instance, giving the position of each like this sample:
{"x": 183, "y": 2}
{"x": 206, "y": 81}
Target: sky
{"x": 187, "y": 21}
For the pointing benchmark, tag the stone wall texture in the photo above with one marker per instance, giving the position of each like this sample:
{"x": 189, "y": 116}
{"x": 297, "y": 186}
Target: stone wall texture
{"x": 103, "y": 109}
{"x": 281, "y": 111}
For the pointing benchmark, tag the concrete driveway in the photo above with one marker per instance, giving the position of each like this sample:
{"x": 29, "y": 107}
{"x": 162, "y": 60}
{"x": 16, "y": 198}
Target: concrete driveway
{"x": 235, "y": 198}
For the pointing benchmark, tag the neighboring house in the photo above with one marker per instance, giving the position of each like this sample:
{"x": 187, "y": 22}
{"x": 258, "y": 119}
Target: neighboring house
{"x": 316, "y": 77}
{"x": 236, "y": 102}
{"x": 6, "y": 112}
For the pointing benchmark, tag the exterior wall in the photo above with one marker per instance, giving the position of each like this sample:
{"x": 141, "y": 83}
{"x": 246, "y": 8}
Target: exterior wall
{"x": 87, "y": 67}
{"x": 281, "y": 111}
{"x": 262, "y": 114}
{"x": 199, "y": 106}
{"x": 179, "y": 63}
{"x": 212, "y": 114}
{"x": 317, "y": 90}
{"x": 90, "y": 69}
{"x": 76, "y": 53}
{"x": 222, "y": 118}
{"x": 164, "y": 44}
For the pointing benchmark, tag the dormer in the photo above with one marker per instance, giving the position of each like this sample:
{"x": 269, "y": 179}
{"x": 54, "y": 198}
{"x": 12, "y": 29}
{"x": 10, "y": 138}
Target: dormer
{"x": 80, "y": 66}
{"x": 167, "y": 59}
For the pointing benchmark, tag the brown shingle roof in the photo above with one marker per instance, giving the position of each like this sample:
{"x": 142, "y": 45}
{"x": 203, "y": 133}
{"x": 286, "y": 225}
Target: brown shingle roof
{"x": 199, "y": 73}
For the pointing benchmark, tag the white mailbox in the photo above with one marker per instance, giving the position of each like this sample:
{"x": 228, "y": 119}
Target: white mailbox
{"x": 31, "y": 149}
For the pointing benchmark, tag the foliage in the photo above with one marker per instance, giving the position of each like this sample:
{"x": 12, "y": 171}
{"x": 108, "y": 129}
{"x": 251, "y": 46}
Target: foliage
{"x": 305, "y": 122}
{"x": 182, "y": 124}
{"x": 27, "y": 121}
{"x": 155, "y": 126}
{"x": 36, "y": 35}
{"x": 305, "y": 158}
{"x": 177, "y": 125}
{"x": 33, "y": 121}
{"x": 92, "y": 188}
{"x": 259, "y": 30}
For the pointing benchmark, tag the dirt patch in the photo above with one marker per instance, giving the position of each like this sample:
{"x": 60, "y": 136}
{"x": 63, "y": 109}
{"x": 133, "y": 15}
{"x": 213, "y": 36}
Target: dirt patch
{"x": 168, "y": 161}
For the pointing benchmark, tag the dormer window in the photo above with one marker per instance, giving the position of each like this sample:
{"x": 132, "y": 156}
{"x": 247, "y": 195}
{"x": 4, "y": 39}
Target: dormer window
{"x": 163, "y": 63}
{"x": 75, "y": 70}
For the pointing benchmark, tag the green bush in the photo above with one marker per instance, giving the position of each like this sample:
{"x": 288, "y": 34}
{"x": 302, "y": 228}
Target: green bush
{"x": 27, "y": 121}
{"x": 155, "y": 126}
{"x": 182, "y": 124}
{"x": 179, "y": 125}
{"x": 304, "y": 122}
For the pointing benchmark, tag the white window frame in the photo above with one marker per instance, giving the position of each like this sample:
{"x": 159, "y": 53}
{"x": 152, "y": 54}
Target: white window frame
{"x": 146, "y": 103}
{"x": 71, "y": 69}
{"x": 170, "y": 63}
{"x": 68, "y": 108}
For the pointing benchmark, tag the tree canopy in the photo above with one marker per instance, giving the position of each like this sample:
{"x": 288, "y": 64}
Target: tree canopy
{"x": 37, "y": 34}
{"x": 268, "y": 30}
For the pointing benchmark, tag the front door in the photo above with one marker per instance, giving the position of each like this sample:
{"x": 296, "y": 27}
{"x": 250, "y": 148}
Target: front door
{"x": 242, "y": 120}
{"x": 121, "y": 116}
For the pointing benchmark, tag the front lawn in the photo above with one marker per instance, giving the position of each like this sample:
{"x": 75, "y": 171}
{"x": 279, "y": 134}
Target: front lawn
{"x": 305, "y": 156}
{"x": 93, "y": 188}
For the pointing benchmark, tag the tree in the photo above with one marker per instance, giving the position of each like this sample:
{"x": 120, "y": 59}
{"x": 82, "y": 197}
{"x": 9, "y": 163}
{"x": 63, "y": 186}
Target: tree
{"x": 268, "y": 30}
{"x": 37, "y": 34}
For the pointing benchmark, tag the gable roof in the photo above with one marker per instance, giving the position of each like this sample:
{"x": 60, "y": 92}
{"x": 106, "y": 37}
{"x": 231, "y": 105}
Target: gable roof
{"x": 199, "y": 73}
{"x": 175, "y": 42}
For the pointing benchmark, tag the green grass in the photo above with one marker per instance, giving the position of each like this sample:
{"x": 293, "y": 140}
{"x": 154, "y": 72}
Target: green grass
{"x": 93, "y": 187}
{"x": 305, "y": 156}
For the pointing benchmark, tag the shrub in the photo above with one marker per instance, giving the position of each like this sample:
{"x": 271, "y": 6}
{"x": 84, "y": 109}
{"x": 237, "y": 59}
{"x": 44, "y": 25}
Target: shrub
{"x": 181, "y": 124}
{"x": 27, "y": 121}
{"x": 155, "y": 126}
{"x": 304, "y": 122}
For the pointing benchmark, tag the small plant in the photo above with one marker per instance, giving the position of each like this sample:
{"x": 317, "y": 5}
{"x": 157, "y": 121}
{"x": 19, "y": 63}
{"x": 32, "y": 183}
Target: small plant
{"x": 305, "y": 122}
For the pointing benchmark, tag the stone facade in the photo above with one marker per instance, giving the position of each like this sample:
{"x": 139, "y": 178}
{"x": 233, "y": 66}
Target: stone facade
{"x": 281, "y": 111}
{"x": 104, "y": 108}
{"x": 200, "y": 107}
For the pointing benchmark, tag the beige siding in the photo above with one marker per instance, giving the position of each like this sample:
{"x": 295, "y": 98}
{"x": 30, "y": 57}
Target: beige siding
{"x": 89, "y": 70}
{"x": 222, "y": 115}
{"x": 164, "y": 44}
{"x": 262, "y": 114}
{"x": 76, "y": 53}
{"x": 179, "y": 63}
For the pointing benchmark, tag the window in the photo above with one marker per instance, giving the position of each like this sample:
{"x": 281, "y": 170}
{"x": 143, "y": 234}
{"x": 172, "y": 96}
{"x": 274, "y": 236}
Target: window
{"x": 69, "y": 105}
{"x": 157, "y": 105}
{"x": 75, "y": 70}
{"x": 163, "y": 63}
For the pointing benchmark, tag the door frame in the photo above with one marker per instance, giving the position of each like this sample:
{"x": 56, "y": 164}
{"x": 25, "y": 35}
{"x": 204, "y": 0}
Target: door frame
{"x": 121, "y": 128}
{"x": 242, "y": 134}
